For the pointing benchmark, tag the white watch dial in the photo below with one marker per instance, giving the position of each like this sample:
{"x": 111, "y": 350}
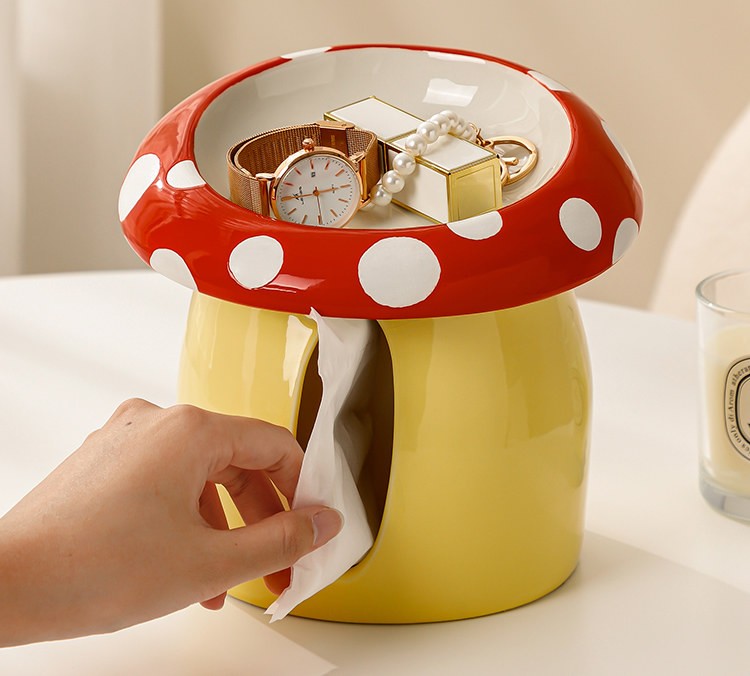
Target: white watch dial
{"x": 317, "y": 189}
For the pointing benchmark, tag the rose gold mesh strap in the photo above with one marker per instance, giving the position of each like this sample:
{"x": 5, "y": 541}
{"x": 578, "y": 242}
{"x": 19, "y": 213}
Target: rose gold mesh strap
{"x": 263, "y": 153}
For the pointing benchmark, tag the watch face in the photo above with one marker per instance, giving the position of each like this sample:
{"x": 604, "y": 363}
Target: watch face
{"x": 317, "y": 188}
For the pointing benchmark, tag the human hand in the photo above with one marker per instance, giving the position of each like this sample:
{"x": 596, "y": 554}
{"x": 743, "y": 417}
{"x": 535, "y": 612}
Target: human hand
{"x": 130, "y": 527}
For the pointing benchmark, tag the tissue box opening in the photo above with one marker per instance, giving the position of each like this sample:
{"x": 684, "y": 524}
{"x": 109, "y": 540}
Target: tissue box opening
{"x": 369, "y": 411}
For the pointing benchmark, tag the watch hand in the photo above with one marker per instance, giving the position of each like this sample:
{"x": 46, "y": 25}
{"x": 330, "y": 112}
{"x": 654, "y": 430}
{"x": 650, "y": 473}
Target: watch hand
{"x": 333, "y": 188}
{"x": 286, "y": 198}
{"x": 320, "y": 211}
{"x": 315, "y": 193}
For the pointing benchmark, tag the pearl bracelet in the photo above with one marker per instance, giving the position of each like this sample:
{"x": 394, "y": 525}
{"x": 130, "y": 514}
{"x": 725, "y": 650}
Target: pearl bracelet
{"x": 429, "y": 131}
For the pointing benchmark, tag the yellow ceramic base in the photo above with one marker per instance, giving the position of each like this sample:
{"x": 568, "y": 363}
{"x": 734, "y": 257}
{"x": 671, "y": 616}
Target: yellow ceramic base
{"x": 481, "y": 500}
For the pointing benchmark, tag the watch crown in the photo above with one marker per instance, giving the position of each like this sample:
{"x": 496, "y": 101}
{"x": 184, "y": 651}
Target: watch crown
{"x": 308, "y": 144}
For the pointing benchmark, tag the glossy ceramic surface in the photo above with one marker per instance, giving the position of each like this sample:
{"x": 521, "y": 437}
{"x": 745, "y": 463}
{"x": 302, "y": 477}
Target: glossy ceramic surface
{"x": 569, "y": 221}
{"x": 476, "y": 480}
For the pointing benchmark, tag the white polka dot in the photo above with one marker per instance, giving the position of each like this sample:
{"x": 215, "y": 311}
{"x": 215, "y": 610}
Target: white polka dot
{"x": 399, "y": 271}
{"x": 581, "y": 223}
{"x": 305, "y": 52}
{"x": 620, "y": 149}
{"x": 170, "y": 264}
{"x": 256, "y": 261}
{"x": 626, "y": 233}
{"x": 140, "y": 176}
{"x": 548, "y": 82}
{"x": 184, "y": 175}
{"x": 482, "y": 226}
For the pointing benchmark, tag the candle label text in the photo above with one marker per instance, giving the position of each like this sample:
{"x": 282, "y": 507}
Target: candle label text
{"x": 737, "y": 406}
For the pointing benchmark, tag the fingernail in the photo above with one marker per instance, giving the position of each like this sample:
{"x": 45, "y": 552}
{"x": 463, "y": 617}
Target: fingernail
{"x": 326, "y": 524}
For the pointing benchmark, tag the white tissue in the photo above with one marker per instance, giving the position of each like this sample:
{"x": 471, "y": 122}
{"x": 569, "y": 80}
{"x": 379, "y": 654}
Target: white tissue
{"x": 334, "y": 456}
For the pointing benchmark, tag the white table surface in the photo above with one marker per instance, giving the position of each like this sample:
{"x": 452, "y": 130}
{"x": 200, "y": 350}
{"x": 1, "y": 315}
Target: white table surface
{"x": 663, "y": 585}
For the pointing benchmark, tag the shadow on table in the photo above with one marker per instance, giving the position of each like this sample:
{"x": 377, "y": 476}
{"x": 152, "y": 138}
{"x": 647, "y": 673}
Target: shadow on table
{"x": 623, "y": 611}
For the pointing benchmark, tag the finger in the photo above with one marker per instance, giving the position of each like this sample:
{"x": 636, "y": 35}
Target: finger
{"x": 277, "y": 582}
{"x": 216, "y": 603}
{"x": 254, "y": 495}
{"x": 277, "y": 542}
{"x": 209, "y": 506}
{"x": 228, "y": 442}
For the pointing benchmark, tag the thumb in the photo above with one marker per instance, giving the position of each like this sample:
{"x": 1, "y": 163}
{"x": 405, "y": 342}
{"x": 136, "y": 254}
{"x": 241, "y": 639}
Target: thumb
{"x": 278, "y": 541}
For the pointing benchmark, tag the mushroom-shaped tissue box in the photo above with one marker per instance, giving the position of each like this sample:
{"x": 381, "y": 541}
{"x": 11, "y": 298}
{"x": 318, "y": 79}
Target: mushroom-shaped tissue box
{"x": 443, "y": 366}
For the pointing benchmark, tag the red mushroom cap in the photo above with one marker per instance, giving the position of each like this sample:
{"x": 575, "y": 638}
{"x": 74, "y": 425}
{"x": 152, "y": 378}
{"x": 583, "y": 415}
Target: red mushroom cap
{"x": 571, "y": 229}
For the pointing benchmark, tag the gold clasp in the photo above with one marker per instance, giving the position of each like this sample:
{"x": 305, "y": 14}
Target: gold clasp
{"x": 508, "y": 177}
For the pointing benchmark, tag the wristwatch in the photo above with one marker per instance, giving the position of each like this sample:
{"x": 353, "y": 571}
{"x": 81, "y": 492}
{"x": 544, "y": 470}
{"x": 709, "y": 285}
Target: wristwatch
{"x": 314, "y": 174}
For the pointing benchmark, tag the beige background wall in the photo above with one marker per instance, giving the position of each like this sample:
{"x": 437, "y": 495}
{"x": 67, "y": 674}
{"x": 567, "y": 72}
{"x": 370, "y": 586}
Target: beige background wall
{"x": 668, "y": 76}
{"x": 10, "y": 112}
{"x": 89, "y": 83}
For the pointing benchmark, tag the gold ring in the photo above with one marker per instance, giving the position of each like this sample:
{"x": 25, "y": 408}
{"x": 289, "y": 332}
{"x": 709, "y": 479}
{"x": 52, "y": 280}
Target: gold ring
{"x": 527, "y": 166}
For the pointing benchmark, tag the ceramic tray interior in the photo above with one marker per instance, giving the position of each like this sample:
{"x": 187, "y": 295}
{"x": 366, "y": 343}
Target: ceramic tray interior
{"x": 496, "y": 97}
